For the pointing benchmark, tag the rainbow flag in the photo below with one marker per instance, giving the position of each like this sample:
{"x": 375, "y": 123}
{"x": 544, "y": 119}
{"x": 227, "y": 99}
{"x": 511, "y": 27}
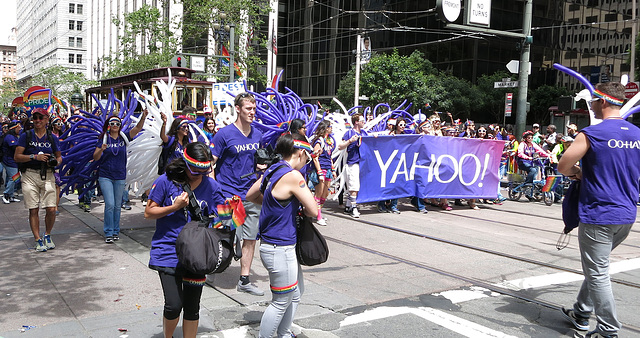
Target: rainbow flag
{"x": 232, "y": 209}
{"x": 551, "y": 183}
{"x": 16, "y": 177}
{"x": 225, "y": 61}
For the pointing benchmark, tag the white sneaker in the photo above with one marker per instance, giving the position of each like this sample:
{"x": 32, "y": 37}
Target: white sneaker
{"x": 6, "y": 199}
{"x": 322, "y": 221}
{"x": 14, "y": 199}
{"x": 355, "y": 213}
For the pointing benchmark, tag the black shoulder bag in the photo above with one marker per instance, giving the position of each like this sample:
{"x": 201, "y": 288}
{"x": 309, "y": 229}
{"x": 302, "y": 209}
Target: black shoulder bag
{"x": 311, "y": 247}
{"x": 203, "y": 250}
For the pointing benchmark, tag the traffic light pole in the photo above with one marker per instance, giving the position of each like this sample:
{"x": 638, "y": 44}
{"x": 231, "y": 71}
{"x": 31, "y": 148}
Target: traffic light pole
{"x": 523, "y": 72}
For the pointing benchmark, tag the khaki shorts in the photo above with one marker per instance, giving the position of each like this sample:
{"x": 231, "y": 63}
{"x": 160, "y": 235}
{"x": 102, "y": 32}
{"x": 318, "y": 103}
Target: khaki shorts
{"x": 353, "y": 177}
{"x": 38, "y": 193}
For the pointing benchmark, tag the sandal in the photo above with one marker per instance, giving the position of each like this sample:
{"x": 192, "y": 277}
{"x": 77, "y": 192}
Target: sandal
{"x": 445, "y": 207}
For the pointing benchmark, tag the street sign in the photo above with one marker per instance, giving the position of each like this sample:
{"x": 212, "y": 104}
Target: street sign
{"x": 506, "y": 84}
{"x": 631, "y": 89}
{"x": 197, "y": 63}
{"x": 508, "y": 104}
{"x": 478, "y": 13}
{"x": 513, "y": 66}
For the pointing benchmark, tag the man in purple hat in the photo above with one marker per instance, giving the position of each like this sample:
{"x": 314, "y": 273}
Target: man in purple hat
{"x": 37, "y": 155}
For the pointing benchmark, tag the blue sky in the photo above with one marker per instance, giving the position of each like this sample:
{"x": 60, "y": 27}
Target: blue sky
{"x": 8, "y": 21}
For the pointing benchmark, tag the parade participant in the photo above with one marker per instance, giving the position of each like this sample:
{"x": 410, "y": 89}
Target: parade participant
{"x": 352, "y": 140}
{"x": 209, "y": 128}
{"x": 111, "y": 151}
{"x": 207, "y": 113}
{"x": 39, "y": 153}
{"x": 610, "y": 176}
{"x": 298, "y": 126}
{"x": 558, "y": 151}
{"x": 3, "y": 132}
{"x": 526, "y": 152}
{"x": 174, "y": 142}
{"x": 283, "y": 195}
{"x": 435, "y": 124}
{"x": 167, "y": 205}
{"x": 190, "y": 113}
{"x": 56, "y": 127}
{"x": 233, "y": 154}
{"x": 550, "y": 140}
{"x": 323, "y": 147}
{"x": 9, "y": 144}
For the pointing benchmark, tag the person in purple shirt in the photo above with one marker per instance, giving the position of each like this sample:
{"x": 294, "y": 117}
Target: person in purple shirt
{"x": 9, "y": 144}
{"x": 234, "y": 147}
{"x": 167, "y": 204}
{"x": 38, "y": 156}
{"x": 111, "y": 151}
{"x": 281, "y": 197}
{"x": 609, "y": 153}
{"x": 352, "y": 140}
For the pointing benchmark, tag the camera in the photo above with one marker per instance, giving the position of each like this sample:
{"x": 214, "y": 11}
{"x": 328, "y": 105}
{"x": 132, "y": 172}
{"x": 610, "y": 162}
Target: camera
{"x": 52, "y": 162}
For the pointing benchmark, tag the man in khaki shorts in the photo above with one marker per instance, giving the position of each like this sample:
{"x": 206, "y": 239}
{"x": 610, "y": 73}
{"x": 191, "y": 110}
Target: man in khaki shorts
{"x": 37, "y": 153}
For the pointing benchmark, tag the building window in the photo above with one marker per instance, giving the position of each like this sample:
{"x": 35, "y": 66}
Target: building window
{"x": 79, "y": 59}
{"x": 79, "y": 9}
{"x": 72, "y": 8}
{"x": 72, "y": 24}
{"x": 72, "y": 58}
{"x": 71, "y": 42}
{"x": 79, "y": 25}
{"x": 79, "y": 42}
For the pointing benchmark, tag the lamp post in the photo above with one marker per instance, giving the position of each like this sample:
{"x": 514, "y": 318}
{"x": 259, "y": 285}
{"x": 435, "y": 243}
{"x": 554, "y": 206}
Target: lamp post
{"x": 225, "y": 31}
{"x": 97, "y": 70}
{"x": 76, "y": 100}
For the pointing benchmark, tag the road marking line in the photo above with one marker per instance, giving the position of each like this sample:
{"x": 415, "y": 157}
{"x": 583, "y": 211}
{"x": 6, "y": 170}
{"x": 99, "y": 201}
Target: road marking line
{"x": 451, "y": 322}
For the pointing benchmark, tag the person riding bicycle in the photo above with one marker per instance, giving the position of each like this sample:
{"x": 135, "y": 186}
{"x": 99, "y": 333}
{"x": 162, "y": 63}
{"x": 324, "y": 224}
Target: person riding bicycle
{"x": 527, "y": 150}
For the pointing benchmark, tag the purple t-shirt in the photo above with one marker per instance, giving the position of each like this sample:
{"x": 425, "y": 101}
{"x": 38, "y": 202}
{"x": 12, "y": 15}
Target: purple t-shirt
{"x": 610, "y": 173}
{"x": 235, "y": 158}
{"x": 38, "y": 145}
{"x": 327, "y": 147}
{"x": 164, "y": 192}
{"x": 113, "y": 162}
{"x": 9, "y": 148}
{"x": 177, "y": 151}
{"x": 353, "y": 150}
{"x": 278, "y": 222}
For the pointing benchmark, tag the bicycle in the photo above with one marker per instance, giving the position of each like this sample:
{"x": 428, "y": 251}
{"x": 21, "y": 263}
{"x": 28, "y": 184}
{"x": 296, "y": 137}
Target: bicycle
{"x": 533, "y": 189}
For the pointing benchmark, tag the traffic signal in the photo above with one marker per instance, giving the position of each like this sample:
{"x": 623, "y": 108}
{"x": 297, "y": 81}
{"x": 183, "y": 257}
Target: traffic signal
{"x": 177, "y": 61}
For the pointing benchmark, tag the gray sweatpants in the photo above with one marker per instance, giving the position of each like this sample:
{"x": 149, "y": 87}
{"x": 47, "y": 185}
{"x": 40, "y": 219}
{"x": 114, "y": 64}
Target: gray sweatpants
{"x": 596, "y": 244}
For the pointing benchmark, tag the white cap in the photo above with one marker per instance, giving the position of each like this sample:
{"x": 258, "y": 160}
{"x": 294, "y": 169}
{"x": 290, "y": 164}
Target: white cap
{"x": 206, "y": 109}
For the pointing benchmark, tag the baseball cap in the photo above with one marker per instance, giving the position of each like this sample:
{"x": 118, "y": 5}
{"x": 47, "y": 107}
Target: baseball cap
{"x": 572, "y": 126}
{"x": 40, "y": 111}
{"x": 207, "y": 110}
{"x": 535, "y": 125}
{"x": 567, "y": 139}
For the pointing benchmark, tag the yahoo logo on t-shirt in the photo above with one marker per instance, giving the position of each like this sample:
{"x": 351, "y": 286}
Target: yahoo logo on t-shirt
{"x": 116, "y": 144}
{"x": 36, "y": 144}
{"x": 624, "y": 144}
{"x": 246, "y": 147}
{"x": 203, "y": 204}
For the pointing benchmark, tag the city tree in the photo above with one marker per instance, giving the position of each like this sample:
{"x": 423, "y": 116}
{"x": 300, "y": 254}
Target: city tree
{"x": 61, "y": 81}
{"x": 9, "y": 90}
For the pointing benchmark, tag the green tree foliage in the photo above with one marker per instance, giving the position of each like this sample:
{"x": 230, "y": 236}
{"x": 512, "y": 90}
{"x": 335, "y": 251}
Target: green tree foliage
{"x": 61, "y": 81}
{"x": 145, "y": 24}
{"x": 200, "y": 17}
{"x": 491, "y": 102}
{"x": 541, "y": 99}
{"x": 459, "y": 97}
{"x": 9, "y": 90}
{"x": 392, "y": 78}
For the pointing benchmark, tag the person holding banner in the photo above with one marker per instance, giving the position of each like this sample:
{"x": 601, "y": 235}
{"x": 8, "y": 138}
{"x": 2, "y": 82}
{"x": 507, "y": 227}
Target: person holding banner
{"x": 9, "y": 144}
{"x": 526, "y": 152}
{"x": 351, "y": 141}
{"x": 609, "y": 179}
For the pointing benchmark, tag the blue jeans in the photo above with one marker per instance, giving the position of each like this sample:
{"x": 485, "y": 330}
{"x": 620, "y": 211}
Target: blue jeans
{"x": 596, "y": 244}
{"x": 112, "y": 193}
{"x": 532, "y": 171}
{"x": 287, "y": 285}
{"x": 417, "y": 202}
{"x": 9, "y": 184}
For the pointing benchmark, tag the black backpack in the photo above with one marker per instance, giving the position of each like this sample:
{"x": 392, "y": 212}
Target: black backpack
{"x": 203, "y": 250}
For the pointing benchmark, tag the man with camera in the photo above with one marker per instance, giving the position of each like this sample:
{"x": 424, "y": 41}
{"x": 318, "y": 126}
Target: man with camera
{"x": 233, "y": 154}
{"x": 37, "y": 154}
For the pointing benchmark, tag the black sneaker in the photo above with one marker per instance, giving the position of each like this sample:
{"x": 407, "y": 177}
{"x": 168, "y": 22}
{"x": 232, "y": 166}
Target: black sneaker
{"x": 115, "y": 237}
{"x": 108, "y": 239}
{"x": 596, "y": 334}
{"x": 126, "y": 206}
{"x": 347, "y": 210}
{"x": 579, "y": 323}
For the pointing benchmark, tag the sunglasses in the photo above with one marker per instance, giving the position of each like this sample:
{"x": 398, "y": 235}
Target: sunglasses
{"x": 401, "y": 125}
{"x": 58, "y": 124}
{"x": 482, "y": 131}
{"x": 115, "y": 124}
{"x": 184, "y": 126}
{"x": 38, "y": 117}
{"x": 596, "y": 99}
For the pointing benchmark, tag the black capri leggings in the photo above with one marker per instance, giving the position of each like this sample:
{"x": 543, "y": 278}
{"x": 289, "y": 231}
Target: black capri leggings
{"x": 179, "y": 294}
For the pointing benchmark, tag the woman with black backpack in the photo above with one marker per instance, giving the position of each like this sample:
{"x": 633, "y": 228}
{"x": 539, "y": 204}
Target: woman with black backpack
{"x": 167, "y": 204}
{"x": 281, "y": 198}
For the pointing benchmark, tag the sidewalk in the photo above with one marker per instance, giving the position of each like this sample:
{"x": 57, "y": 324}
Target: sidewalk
{"x": 87, "y": 288}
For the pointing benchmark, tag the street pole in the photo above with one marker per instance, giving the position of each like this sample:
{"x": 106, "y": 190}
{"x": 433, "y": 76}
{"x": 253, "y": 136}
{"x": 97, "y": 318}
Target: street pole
{"x": 232, "y": 40}
{"x": 357, "y": 90}
{"x": 523, "y": 78}
{"x": 634, "y": 33}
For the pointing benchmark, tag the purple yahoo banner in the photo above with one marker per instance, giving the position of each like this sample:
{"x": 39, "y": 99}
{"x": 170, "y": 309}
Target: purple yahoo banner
{"x": 428, "y": 166}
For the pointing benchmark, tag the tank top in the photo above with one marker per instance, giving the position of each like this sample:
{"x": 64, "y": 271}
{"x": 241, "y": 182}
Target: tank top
{"x": 278, "y": 218}
{"x": 610, "y": 173}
